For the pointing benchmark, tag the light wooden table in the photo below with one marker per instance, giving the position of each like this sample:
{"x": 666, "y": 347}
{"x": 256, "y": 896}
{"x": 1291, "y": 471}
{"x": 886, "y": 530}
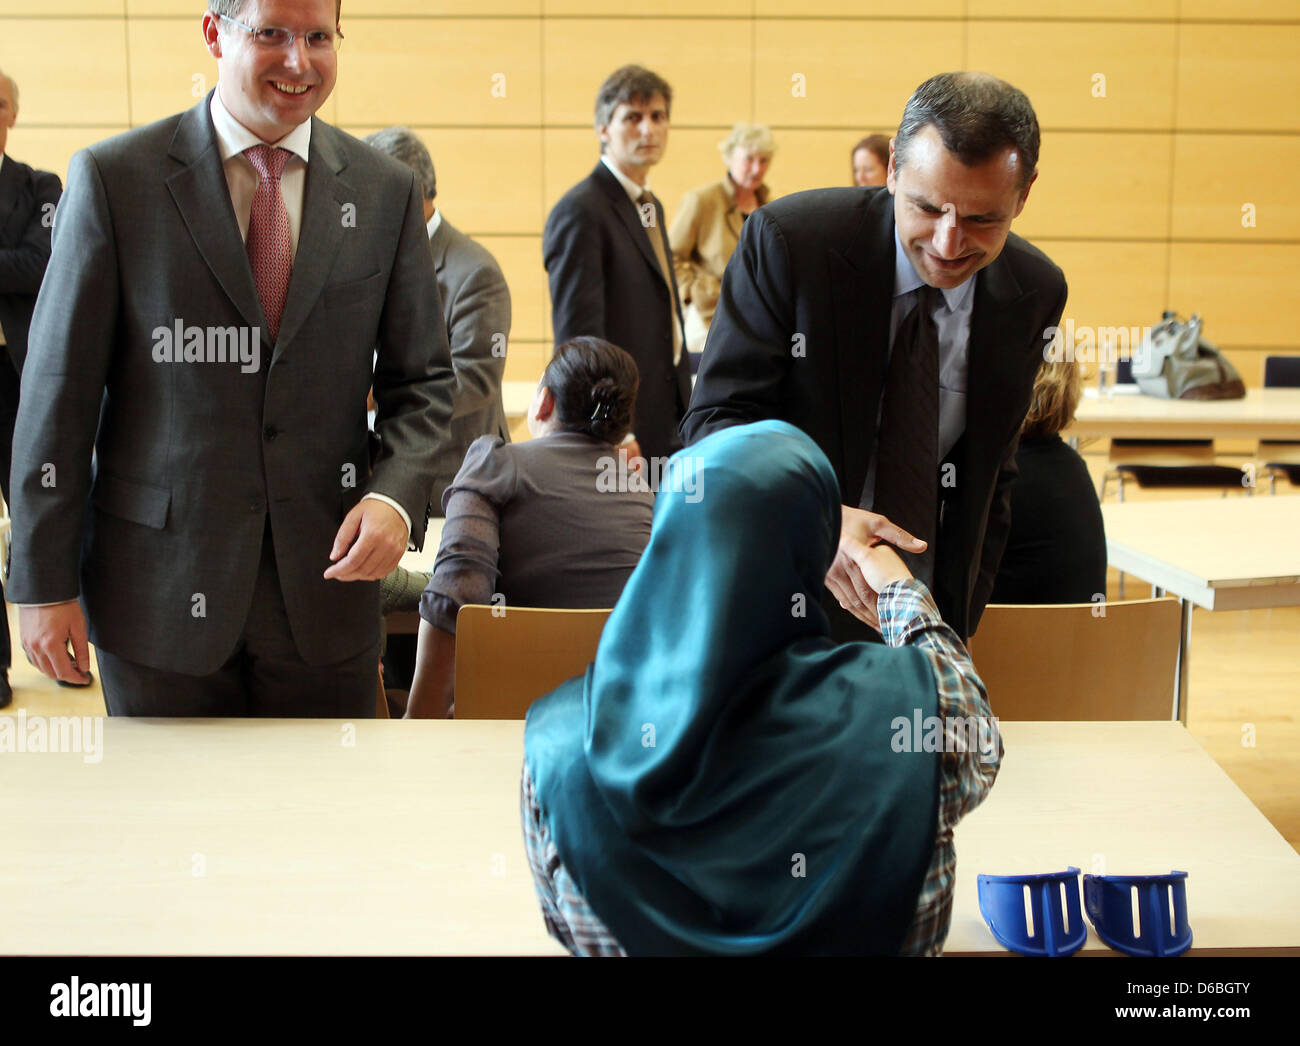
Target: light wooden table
{"x": 1263, "y": 414}
{"x": 1216, "y": 553}
{"x": 262, "y": 837}
{"x": 1130, "y": 799}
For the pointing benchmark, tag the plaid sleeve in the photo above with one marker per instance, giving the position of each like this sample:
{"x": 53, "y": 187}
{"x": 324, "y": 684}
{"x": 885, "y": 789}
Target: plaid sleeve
{"x": 568, "y": 917}
{"x": 908, "y": 616}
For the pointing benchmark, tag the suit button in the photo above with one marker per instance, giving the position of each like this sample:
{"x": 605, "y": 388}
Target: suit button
{"x": 270, "y": 432}
{"x": 254, "y": 504}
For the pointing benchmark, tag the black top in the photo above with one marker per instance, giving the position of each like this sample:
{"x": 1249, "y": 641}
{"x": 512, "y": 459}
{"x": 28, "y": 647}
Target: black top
{"x": 1056, "y": 551}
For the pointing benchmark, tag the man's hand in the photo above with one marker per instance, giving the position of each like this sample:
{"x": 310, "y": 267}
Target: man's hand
{"x": 46, "y": 633}
{"x": 859, "y": 561}
{"x": 377, "y": 536}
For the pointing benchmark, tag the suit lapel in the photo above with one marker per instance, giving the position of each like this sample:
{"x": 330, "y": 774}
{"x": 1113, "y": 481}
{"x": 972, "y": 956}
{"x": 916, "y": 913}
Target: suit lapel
{"x": 321, "y": 235}
{"x": 862, "y": 288}
{"x": 203, "y": 199}
{"x": 628, "y": 214}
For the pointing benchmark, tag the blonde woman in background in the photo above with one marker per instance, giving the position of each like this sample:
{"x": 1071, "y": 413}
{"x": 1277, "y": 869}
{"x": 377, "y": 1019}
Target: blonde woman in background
{"x": 708, "y": 224}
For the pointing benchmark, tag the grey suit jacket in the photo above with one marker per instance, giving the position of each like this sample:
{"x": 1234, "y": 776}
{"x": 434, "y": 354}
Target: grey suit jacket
{"x": 162, "y": 541}
{"x": 476, "y": 307}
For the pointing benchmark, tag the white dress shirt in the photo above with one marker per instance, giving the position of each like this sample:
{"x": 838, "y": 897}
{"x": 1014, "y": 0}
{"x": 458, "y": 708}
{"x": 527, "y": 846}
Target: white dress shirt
{"x": 633, "y": 190}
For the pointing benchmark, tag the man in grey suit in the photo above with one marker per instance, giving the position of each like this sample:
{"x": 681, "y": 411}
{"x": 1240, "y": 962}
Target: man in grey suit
{"x": 219, "y": 282}
{"x": 476, "y": 306}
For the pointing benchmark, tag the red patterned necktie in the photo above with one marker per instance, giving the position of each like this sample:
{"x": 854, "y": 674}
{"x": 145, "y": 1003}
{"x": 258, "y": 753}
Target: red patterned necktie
{"x": 270, "y": 252}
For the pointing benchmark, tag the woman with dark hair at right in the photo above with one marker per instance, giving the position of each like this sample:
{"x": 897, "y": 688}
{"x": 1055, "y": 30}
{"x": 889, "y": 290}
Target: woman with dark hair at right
{"x": 869, "y": 160}
{"x": 1056, "y": 549}
{"x": 537, "y": 522}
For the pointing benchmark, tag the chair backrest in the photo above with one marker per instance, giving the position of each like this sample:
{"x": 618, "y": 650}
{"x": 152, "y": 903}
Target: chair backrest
{"x": 507, "y": 657}
{"x": 1282, "y": 372}
{"x": 1080, "y": 661}
{"x": 1167, "y": 452}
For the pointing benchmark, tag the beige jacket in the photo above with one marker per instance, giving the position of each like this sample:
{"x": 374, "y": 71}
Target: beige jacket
{"x": 703, "y": 235}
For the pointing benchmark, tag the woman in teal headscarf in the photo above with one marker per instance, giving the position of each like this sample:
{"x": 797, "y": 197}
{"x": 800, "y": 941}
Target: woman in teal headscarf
{"x": 725, "y": 779}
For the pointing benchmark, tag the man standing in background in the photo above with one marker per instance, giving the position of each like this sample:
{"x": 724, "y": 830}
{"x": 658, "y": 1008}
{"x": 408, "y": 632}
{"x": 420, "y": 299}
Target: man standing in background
{"x": 27, "y": 201}
{"x": 610, "y": 264}
{"x": 476, "y": 308}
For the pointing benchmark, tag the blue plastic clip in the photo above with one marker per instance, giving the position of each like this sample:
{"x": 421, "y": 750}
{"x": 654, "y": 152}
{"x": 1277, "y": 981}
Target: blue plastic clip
{"x": 1110, "y": 903}
{"x": 1048, "y": 929}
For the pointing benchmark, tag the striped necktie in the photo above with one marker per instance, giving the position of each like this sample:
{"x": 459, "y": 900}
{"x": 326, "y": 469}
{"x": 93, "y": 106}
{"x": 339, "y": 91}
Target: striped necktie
{"x": 907, "y": 450}
{"x": 652, "y": 229}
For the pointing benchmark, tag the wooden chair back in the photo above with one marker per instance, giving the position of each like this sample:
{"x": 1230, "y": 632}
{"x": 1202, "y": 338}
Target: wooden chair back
{"x": 507, "y": 657}
{"x": 1080, "y": 661}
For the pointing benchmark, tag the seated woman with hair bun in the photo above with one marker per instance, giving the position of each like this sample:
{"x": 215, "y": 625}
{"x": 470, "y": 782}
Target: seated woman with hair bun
{"x": 536, "y": 522}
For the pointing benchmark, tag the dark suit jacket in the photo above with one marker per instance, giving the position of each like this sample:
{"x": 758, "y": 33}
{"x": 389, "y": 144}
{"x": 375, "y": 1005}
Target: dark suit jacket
{"x": 606, "y": 281}
{"x": 476, "y": 308}
{"x": 163, "y": 541}
{"x": 1056, "y": 550}
{"x": 802, "y": 334}
{"x": 27, "y": 200}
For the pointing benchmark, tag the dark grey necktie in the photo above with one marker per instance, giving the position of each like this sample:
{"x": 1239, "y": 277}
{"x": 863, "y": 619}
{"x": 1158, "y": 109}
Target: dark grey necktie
{"x": 907, "y": 449}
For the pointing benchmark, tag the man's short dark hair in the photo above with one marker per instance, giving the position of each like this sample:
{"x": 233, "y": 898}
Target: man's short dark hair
{"x": 631, "y": 83}
{"x": 976, "y": 115}
{"x": 231, "y": 8}
{"x": 402, "y": 144}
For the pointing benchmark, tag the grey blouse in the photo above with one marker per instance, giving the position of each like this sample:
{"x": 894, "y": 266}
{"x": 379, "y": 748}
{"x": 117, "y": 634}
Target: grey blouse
{"x": 541, "y": 523}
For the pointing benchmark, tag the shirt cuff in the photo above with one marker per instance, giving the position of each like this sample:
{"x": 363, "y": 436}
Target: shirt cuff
{"x": 400, "y": 511}
{"x": 906, "y": 608}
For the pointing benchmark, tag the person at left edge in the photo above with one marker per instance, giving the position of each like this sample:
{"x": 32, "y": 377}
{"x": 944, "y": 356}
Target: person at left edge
{"x": 27, "y": 201}
{"x": 224, "y": 547}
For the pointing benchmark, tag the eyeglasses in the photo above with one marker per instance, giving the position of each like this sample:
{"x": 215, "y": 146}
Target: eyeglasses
{"x": 273, "y": 38}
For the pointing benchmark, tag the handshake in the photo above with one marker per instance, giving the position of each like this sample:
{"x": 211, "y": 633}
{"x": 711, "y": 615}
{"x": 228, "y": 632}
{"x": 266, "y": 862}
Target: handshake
{"x": 865, "y": 562}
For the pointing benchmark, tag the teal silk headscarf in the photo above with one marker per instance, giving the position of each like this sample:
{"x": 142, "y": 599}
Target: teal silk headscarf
{"x": 721, "y": 781}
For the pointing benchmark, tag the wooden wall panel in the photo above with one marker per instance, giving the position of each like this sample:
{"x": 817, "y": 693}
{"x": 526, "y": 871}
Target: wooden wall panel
{"x": 81, "y": 81}
{"x": 863, "y": 80}
{"x": 705, "y": 61}
{"x": 1100, "y": 186}
{"x": 1217, "y": 175}
{"x": 1055, "y": 63}
{"x": 441, "y": 71}
{"x": 1245, "y": 292}
{"x": 1238, "y": 77}
{"x": 171, "y": 68}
